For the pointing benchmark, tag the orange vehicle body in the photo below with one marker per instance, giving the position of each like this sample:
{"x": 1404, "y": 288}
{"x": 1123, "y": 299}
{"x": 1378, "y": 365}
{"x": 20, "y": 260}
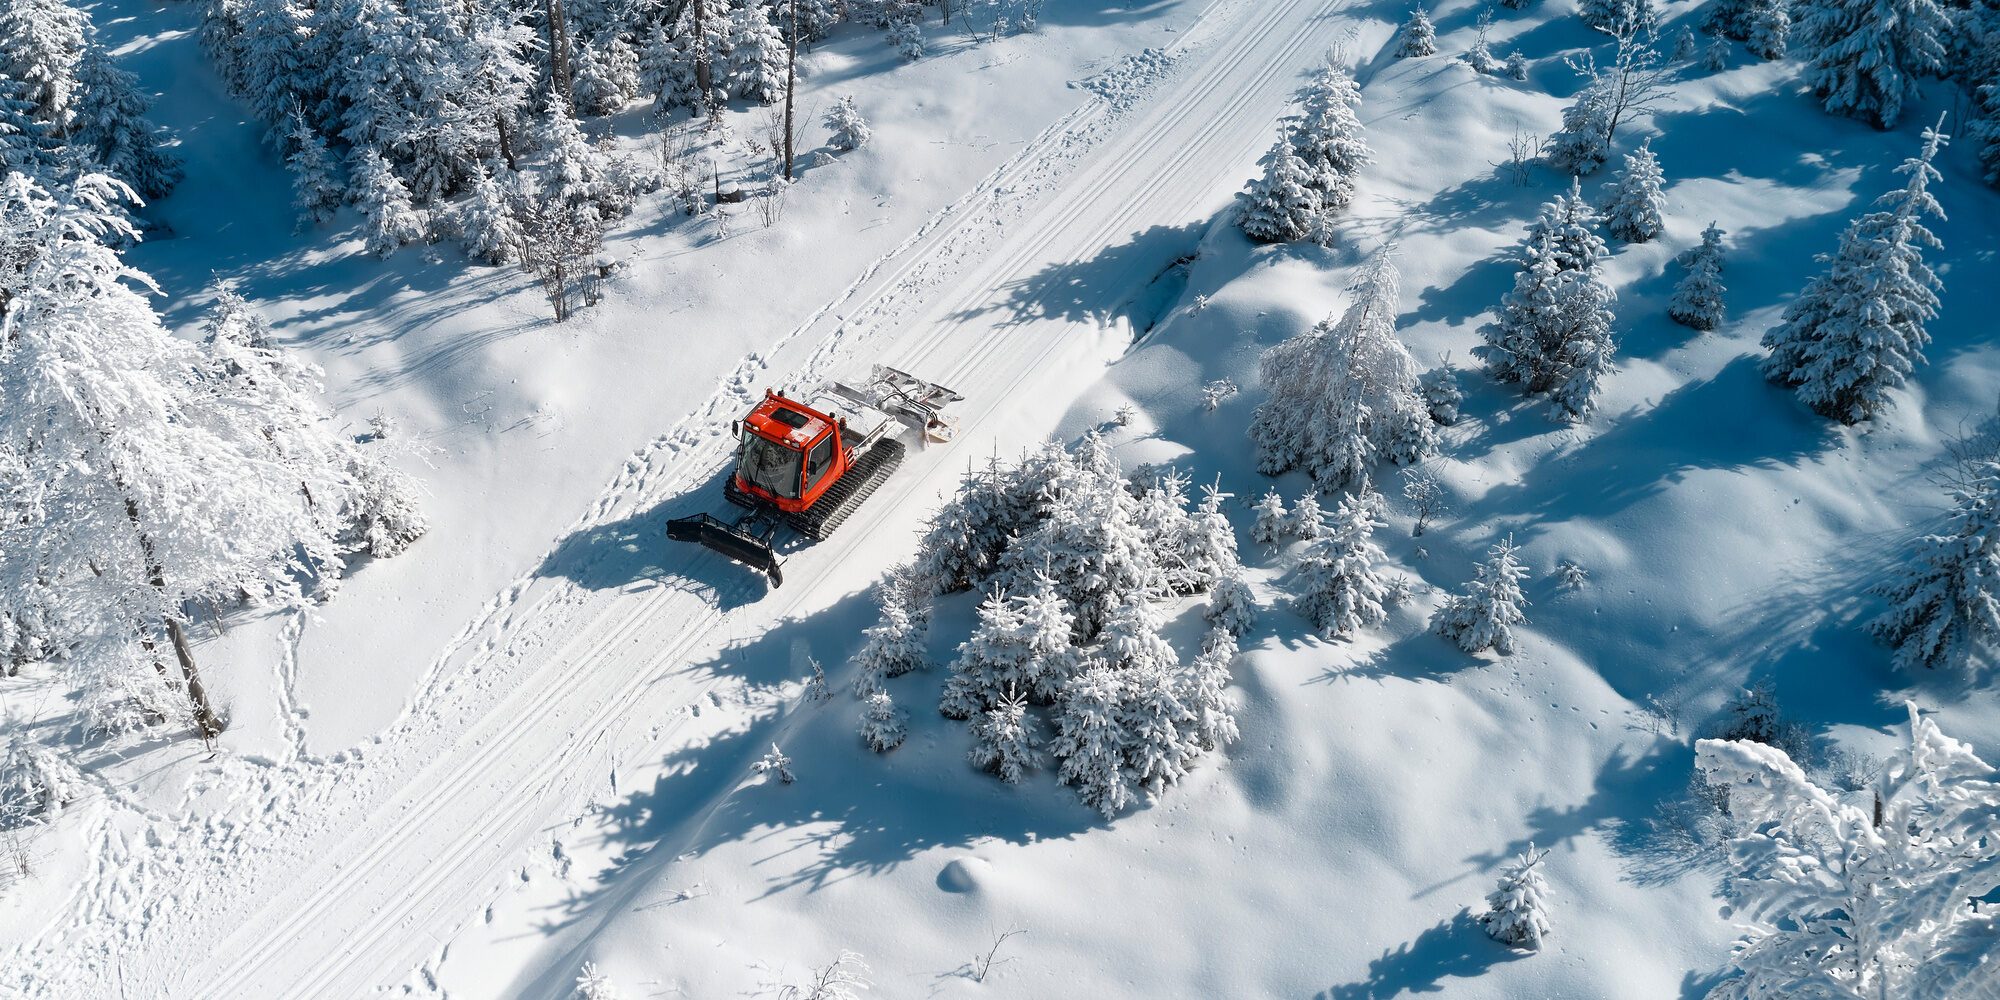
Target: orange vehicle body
{"x": 788, "y": 453}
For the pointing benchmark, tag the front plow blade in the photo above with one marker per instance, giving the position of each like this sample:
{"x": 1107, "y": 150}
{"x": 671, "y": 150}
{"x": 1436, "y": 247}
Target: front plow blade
{"x": 709, "y": 532}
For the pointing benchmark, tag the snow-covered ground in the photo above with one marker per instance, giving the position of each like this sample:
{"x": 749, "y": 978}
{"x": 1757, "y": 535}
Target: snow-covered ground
{"x": 527, "y": 743}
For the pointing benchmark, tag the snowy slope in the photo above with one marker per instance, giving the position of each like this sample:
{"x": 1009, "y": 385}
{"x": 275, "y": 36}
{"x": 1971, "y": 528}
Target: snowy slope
{"x": 571, "y": 778}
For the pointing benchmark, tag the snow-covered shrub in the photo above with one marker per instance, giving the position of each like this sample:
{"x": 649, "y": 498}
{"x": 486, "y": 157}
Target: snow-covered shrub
{"x": 1004, "y": 740}
{"x": 1345, "y": 392}
{"x": 1418, "y": 37}
{"x": 1485, "y": 615}
{"x": 1426, "y": 496}
{"x": 1945, "y": 609}
{"x": 882, "y": 723}
{"x": 1572, "y": 575}
{"x": 1857, "y": 330}
{"x": 908, "y": 40}
{"x": 1517, "y": 910}
{"x": 381, "y": 513}
{"x": 593, "y": 984}
{"x": 1339, "y": 590}
{"x": 1864, "y": 57}
{"x": 777, "y": 764}
{"x": 850, "y": 130}
{"x": 1632, "y": 208}
{"x": 1862, "y": 899}
{"x": 35, "y": 783}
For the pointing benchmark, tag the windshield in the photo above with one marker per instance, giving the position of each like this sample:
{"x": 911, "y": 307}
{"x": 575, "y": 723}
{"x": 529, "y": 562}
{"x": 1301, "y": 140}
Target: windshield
{"x": 769, "y": 466}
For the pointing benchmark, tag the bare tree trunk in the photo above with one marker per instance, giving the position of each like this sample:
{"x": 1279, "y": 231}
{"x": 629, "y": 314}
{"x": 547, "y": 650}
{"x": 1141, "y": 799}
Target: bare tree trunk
{"x": 204, "y": 713}
{"x": 506, "y": 140}
{"x": 791, "y": 85}
{"x": 559, "y": 53}
{"x": 702, "y": 74}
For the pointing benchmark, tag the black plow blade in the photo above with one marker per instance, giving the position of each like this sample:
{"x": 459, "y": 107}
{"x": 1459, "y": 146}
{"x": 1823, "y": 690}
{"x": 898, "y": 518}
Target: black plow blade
{"x": 707, "y": 531}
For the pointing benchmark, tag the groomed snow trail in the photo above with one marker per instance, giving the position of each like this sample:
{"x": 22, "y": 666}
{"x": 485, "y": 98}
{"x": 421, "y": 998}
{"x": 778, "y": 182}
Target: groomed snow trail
{"x": 336, "y": 878}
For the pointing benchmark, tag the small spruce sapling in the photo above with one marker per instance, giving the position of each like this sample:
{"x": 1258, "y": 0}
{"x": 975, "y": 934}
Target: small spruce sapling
{"x": 1517, "y": 910}
{"x": 1697, "y": 300}
{"x": 908, "y": 39}
{"x": 1485, "y": 615}
{"x": 1204, "y": 691}
{"x": 1439, "y": 387}
{"x": 1418, "y": 37}
{"x": 1632, "y": 212}
{"x": 882, "y": 723}
{"x": 1517, "y": 66}
{"x": 1572, "y": 575}
{"x": 1715, "y": 58}
{"x": 776, "y": 763}
{"x": 1945, "y": 612}
{"x": 594, "y": 984}
{"x": 1341, "y": 592}
{"x": 850, "y": 130}
{"x": 1272, "y": 522}
{"x": 1004, "y": 740}
{"x": 1308, "y": 521}
{"x": 1480, "y": 55}
{"x": 1091, "y": 740}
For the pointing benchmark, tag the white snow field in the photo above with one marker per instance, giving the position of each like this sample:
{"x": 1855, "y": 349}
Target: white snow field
{"x": 527, "y": 744}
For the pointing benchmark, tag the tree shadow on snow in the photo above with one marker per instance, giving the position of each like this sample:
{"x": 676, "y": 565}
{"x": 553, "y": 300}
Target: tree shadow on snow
{"x": 1113, "y": 284}
{"x": 1458, "y": 948}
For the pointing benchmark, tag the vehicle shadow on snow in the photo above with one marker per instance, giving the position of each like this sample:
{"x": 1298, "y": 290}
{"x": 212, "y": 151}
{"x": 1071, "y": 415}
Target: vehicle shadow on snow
{"x": 636, "y": 549}
{"x": 851, "y": 812}
{"x": 1458, "y": 948}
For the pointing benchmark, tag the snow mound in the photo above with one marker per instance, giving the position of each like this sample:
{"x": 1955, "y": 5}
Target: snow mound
{"x": 967, "y": 874}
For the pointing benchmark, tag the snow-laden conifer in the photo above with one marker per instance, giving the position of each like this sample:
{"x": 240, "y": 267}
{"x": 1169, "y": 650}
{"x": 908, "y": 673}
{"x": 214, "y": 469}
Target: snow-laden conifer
{"x": 1159, "y": 737}
{"x": 895, "y": 643}
{"x": 1441, "y": 394}
{"x": 1480, "y": 55}
{"x": 1632, "y": 210}
{"x": 36, "y": 782}
{"x": 1686, "y": 44}
{"x": 1328, "y": 137}
{"x": 1752, "y": 714}
{"x": 1768, "y": 27}
{"x": 1231, "y": 607}
{"x": 596, "y": 89}
{"x": 1985, "y": 129}
{"x": 1418, "y": 37}
{"x": 1282, "y": 205}
{"x": 908, "y": 40}
{"x": 1484, "y": 616}
{"x": 108, "y": 122}
{"x": 882, "y": 723}
{"x": 850, "y": 130}
{"x": 1339, "y": 590}
{"x": 390, "y": 221}
{"x": 1697, "y": 300}
{"x": 1204, "y": 691}
{"x": 990, "y": 661}
{"x": 1091, "y": 740}
{"x": 1945, "y": 608}
{"x": 490, "y": 225}
{"x": 316, "y": 188}
{"x": 1864, "y": 57}
{"x": 41, "y": 44}
{"x": 1307, "y": 521}
{"x": 1517, "y": 910}
{"x": 757, "y": 56}
{"x": 594, "y": 984}
{"x": 1583, "y": 142}
{"x": 1866, "y": 898}
{"x": 1004, "y": 739}
{"x": 577, "y": 173}
{"x": 1857, "y": 330}
{"x": 1715, "y": 58}
{"x": 1554, "y": 333}
{"x": 1272, "y": 523}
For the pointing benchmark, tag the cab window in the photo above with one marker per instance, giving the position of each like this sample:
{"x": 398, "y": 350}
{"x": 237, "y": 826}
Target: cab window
{"x": 820, "y": 459}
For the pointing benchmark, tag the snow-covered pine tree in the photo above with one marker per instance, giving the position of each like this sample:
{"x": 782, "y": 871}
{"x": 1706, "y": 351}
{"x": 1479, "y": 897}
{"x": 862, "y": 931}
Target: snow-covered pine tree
{"x": 597, "y": 91}
{"x": 991, "y": 661}
{"x": 41, "y": 43}
{"x": 385, "y": 203}
{"x": 1572, "y": 227}
{"x": 1204, "y": 691}
{"x": 1697, "y": 300}
{"x": 1583, "y": 142}
{"x": 966, "y": 536}
{"x": 1768, "y": 27}
{"x": 896, "y": 641}
{"x": 381, "y": 515}
{"x": 577, "y": 173}
{"x": 1857, "y": 330}
{"x": 1159, "y": 728}
{"x": 1047, "y": 632}
{"x": 1090, "y": 541}
{"x": 1517, "y": 66}
{"x": 25, "y": 144}
{"x": 1686, "y": 44}
{"x": 757, "y": 55}
{"x": 1307, "y": 521}
{"x": 109, "y": 123}
{"x": 1485, "y": 615}
{"x": 1554, "y": 332}
{"x": 1480, "y": 55}
{"x": 35, "y": 781}
{"x": 908, "y": 40}
{"x": 1418, "y": 37}
{"x": 1272, "y": 523}
{"x": 1003, "y": 740}
{"x": 1517, "y": 910}
{"x": 498, "y": 80}
{"x": 1752, "y": 714}
{"x": 1632, "y": 210}
{"x": 1231, "y": 607}
{"x": 1715, "y": 58}
{"x": 1131, "y": 638}
{"x": 882, "y": 723}
{"x": 490, "y": 227}
{"x": 1945, "y": 612}
{"x": 1864, "y": 57}
{"x": 850, "y": 130}
{"x": 1282, "y": 205}
{"x": 1583, "y": 357}
{"x": 316, "y": 191}
{"x": 128, "y": 468}
{"x": 1339, "y": 590}
{"x": 594, "y": 984}
{"x": 1090, "y": 741}
{"x": 1440, "y": 392}
{"x": 1867, "y": 899}
{"x": 1985, "y": 130}
{"x": 1328, "y": 137}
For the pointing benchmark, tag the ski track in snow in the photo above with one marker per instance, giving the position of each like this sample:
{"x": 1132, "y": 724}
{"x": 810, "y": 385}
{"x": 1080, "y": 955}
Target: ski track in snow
{"x": 364, "y": 863}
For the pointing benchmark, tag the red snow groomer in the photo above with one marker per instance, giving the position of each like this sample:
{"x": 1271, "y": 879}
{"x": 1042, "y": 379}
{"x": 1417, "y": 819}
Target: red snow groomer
{"x": 809, "y": 465}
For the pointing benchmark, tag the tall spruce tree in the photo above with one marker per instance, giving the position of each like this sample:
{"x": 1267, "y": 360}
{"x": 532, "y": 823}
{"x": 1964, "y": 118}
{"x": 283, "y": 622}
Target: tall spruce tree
{"x": 1864, "y": 57}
